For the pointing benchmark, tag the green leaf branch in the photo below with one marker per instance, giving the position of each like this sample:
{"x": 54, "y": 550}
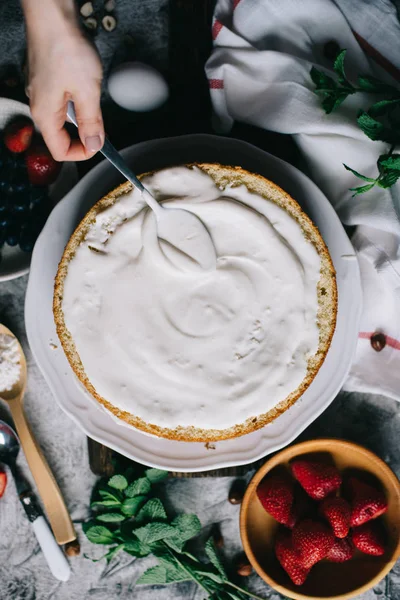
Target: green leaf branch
{"x": 129, "y": 516}
{"x": 381, "y": 122}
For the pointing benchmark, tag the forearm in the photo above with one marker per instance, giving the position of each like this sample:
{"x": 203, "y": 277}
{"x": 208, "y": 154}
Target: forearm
{"x": 49, "y": 18}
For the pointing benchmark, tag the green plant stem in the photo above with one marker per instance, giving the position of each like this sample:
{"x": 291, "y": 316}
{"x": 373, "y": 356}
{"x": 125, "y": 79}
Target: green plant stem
{"x": 244, "y": 591}
{"x": 187, "y": 569}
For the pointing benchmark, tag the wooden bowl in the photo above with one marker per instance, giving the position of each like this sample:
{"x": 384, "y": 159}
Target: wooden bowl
{"x": 326, "y": 580}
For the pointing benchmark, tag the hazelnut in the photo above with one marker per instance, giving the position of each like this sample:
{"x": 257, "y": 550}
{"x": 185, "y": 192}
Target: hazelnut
{"x": 243, "y": 567}
{"x": 378, "y": 341}
{"x": 217, "y": 536}
{"x": 331, "y": 50}
{"x": 72, "y": 548}
{"x": 109, "y": 23}
{"x": 109, "y": 5}
{"x": 86, "y": 9}
{"x": 236, "y": 492}
{"x": 90, "y": 23}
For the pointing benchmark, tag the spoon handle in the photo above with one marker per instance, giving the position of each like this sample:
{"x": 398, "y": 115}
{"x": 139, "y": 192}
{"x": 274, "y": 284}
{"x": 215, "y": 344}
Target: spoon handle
{"x": 50, "y": 493}
{"x": 115, "y": 158}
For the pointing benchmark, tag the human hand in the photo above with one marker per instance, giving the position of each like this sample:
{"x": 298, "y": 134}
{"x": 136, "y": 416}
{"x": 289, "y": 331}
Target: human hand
{"x": 63, "y": 66}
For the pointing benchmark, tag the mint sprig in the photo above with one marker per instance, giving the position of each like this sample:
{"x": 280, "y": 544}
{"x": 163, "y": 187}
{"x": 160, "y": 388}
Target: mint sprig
{"x": 129, "y": 516}
{"x": 381, "y": 122}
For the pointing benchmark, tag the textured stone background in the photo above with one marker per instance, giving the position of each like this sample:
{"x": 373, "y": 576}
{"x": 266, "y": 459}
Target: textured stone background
{"x": 371, "y": 420}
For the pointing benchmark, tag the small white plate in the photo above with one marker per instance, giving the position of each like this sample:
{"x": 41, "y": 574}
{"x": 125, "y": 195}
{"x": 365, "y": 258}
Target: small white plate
{"x": 14, "y": 262}
{"x": 95, "y": 421}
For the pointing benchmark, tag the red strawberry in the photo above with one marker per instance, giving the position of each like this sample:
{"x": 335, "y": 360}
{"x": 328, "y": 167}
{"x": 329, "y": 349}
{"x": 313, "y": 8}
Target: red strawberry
{"x": 302, "y": 506}
{"x": 337, "y": 512}
{"x": 3, "y": 483}
{"x": 41, "y": 166}
{"x": 366, "y": 502}
{"x": 341, "y": 551}
{"x": 276, "y": 495}
{"x": 318, "y": 480}
{"x": 18, "y": 134}
{"x": 312, "y": 540}
{"x": 289, "y": 558}
{"x": 369, "y": 538}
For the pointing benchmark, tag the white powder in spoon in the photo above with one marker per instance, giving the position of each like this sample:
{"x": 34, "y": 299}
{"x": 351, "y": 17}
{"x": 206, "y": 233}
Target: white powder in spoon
{"x": 10, "y": 366}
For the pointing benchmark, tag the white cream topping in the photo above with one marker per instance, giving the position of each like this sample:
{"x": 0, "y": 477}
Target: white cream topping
{"x": 177, "y": 345}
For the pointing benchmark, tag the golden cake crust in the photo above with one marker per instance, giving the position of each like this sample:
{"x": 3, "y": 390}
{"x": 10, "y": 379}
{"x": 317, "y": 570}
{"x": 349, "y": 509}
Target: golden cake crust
{"x": 326, "y": 289}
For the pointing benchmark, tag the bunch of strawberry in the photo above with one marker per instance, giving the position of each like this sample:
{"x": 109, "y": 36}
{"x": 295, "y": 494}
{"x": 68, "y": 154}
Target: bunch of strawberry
{"x": 26, "y": 170}
{"x": 317, "y": 523}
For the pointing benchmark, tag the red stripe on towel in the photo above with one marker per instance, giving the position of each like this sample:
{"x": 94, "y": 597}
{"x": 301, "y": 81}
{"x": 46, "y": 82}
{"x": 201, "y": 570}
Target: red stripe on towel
{"x": 216, "y": 28}
{"x": 216, "y": 84}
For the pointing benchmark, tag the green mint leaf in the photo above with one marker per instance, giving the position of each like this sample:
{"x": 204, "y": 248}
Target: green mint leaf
{"x": 213, "y": 557}
{"x": 334, "y": 100}
{"x": 156, "y": 475}
{"x": 118, "y": 482}
{"x": 322, "y": 81}
{"x": 338, "y": 67}
{"x": 98, "y": 534}
{"x": 175, "y": 570}
{"x": 153, "y": 532}
{"x": 138, "y": 487}
{"x": 362, "y": 189}
{"x": 105, "y": 504}
{"x": 363, "y": 177}
{"x": 374, "y": 129}
{"x": 110, "y": 517}
{"x": 187, "y": 525}
{"x": 136, "y": 548}
{"x": 130, "y": 506}
{"x": 391, "y": 162}
{"x": 176, "y": 543}
{"x": 153, "y": 576}
{"x": 113, "y": 552}
{"x": 107, "y": 495}
{"x": 331, "y": 93}
{"x": 388, "y": 179}
{"x": 153, "y": 510}
{"x": 382, "y": 107}
{"x": 371, "y": 84}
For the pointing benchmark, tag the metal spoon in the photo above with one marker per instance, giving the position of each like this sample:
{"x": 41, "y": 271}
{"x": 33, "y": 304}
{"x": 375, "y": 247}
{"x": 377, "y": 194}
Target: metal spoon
{"x": 180, "y": 228}
{"x": 50, "y": 493}
{"x": 55, "y": 558}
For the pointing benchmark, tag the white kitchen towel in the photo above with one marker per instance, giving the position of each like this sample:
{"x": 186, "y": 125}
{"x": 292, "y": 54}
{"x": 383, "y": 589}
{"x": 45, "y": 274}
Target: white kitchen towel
{"x": 259, "y": 73}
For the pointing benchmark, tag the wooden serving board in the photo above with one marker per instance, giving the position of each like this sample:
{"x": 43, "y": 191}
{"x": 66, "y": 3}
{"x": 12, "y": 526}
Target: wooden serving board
{"x": 100, "y": 459}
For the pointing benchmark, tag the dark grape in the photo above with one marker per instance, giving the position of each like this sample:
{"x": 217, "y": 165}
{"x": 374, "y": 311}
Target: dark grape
{"x": 38, "y": 196}
{"x": 3, "y": 204}
{"x": 20, "y": 187}
{"x": 12, "y": 238}
{"x": 27, "y": 241}
{"x": 20, "y": 210}
{"x": 5, "y": 221}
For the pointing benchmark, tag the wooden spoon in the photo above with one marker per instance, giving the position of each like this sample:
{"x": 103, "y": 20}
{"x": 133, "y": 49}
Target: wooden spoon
{"x": 49, "y": 491}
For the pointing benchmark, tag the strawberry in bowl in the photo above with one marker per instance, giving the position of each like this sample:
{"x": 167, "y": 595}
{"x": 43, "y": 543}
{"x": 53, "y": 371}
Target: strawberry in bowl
{"x": 322, "y": 519}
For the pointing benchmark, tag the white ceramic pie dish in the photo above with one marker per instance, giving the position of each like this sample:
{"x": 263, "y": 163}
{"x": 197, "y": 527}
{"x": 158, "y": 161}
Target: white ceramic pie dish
{"x": 15, "y": 263}
{"x": 95, "y": 421}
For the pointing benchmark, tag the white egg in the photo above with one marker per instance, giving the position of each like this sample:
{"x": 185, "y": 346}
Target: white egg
{"x": 136, "y": 86}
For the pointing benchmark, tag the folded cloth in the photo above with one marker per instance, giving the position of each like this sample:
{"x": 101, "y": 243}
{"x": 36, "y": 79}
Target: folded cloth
{"x": 259, "y": 73}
